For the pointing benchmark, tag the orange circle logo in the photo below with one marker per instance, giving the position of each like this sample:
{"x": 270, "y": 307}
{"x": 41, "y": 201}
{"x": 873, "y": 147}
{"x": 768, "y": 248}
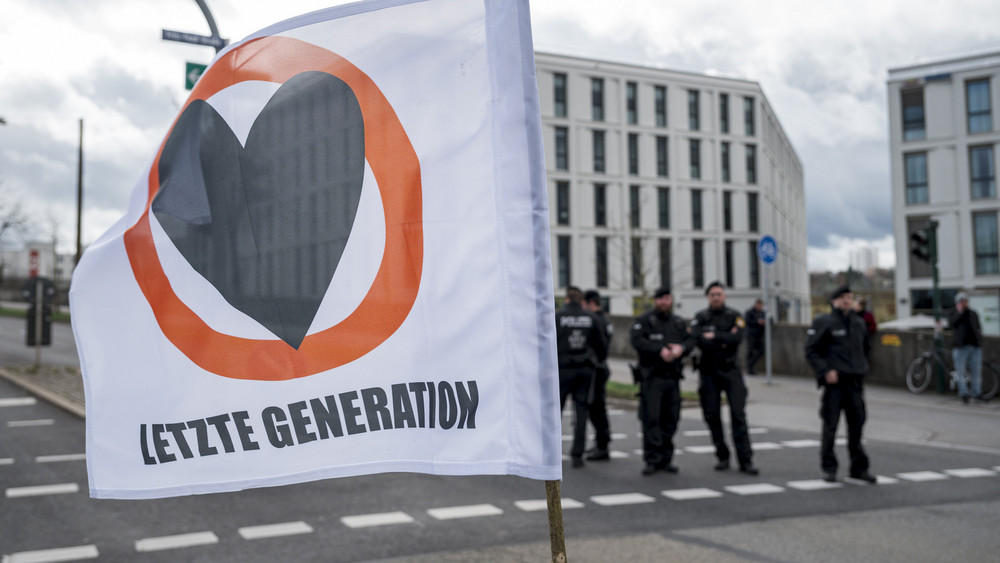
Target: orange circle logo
{"x": 396, "y": 169}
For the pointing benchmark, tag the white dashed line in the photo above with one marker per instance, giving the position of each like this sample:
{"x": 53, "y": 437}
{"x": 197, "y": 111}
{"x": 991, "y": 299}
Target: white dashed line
{"x": 615, "y": 454}
{"x": 619, "y": 436}
{"x": 813, "y": 485}
{"x": 51, "y": 555}
{"x": 470, "y": 511}
{"x": 275, "y": 530}
{"x": 700, "y": 449}
{"x": 27, "y": 423}
{"x": 17, "y": 401}
{"x": 60, "y": 489}
{"x": 691, "y": 494}
{"x": 800, "y": 443}
{"x": 377, "y": 519}
{"x": 58, "y": 458}
{"x": 970, "y": 472}
{"x": 919, "y": 476}
{"x": 696, "y": 433}
{"x": 614, "y": 412}
{"x": 622, "y": 499}
{"x": 755, "y": 489}
{"x": 758, "y": 431}
{"x": 176, "y": 542}
{"x": 535, "y": 505}
{"x": 6, "y": 461}
{"x": 763, "y": 446}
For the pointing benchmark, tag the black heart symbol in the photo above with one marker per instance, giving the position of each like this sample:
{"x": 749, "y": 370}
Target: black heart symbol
{"x": 267, "y": 223}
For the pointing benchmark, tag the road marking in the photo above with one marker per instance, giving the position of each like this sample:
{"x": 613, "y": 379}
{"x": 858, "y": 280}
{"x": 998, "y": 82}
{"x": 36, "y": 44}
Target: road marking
{"x": 52, "y": 555}
{"x": 918, "y": 476}
{"x": 614, "y": 412}
{"x": 6, "y": 461}
{"x": 175, "y": 542}
{"x": 970, "y": 472}
{"x": 691, "y": 494}
{"x": 619, "y": 436}
{"x": 615, "y": 454}
{"x": 26, "y": 423}
{"x": 469, "y": 511}
{"x": 622, "y": 499}
{"x": 800, "y": 443}
{"x": 762, "y": 446}
{"x": 377, "y": 519}
{"x": 534, "y": 505}
{"x": 696, "y": 433}
{"x": 275, "y": 530}
{"x": 840, "y": 442}
{"x": 17, "y": 401}
{"x": 700, "y": 449}
{"x": 60, "y": 489}
{"x": 758, "y": 431}
{"x": 813, "y": 485}
{"x": 754, "y": 489}
{"x": 58, "y": 458}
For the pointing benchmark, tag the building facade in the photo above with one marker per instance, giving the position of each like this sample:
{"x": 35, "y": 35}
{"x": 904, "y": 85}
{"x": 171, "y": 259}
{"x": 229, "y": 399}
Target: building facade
{"x": 943, "y": 139}
{"x": 659, "y": 177}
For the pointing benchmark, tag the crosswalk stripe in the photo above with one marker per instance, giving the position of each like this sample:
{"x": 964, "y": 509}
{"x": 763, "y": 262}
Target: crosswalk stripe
{"x": 763, "y": 446}
{"x": 700, "y": 449}
{"x": 799, "y": 443}
{"x": 754, "y": 489}
{"x": 622, "y": 499}
{"x": 970, "y": 472}
{"x": 691, "y": 494}
{"x": 41, "y": 490}
{"x": 470, "y": 511}
{"x": 77, "y": 553}
{"x": 534, "y": 505}
{"x": 377, "y": 519}
{"x": 6, "y": 461}
{"x": 275, "y": 530}
{"x": 919, "y": 476}
{"x": 58, "y": 458}
{"x": 17, "y": 401}
{"x": 175, "y": 542}
{"x": 27, "y": 423}
{"x": 813, "y": 485}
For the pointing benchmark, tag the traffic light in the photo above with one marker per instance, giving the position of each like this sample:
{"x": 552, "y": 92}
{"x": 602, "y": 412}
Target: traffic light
{"x": 923, "y": 243}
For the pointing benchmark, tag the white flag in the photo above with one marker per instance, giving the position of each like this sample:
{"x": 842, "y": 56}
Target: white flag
{"x": 336, "y": 264}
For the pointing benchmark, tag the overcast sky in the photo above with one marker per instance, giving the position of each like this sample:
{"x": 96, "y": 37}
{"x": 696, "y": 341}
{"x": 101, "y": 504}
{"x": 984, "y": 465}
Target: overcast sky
{"x": 822, "y": 66}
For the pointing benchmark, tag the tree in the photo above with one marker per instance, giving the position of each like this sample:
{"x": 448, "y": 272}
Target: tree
{"x": 13, "y": 220}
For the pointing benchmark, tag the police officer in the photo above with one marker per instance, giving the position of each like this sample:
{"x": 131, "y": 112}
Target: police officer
{"x": 580, "y": 343}
{"x": 718, "y": 331}
{"x": 661, "y": 339}
{"x": 837, "y": 350}
{"x": 755, "y": 318}
{"x": 598, "y": 388}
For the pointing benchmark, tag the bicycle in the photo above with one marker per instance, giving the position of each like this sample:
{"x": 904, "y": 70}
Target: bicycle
{"x": 921, "y": 370}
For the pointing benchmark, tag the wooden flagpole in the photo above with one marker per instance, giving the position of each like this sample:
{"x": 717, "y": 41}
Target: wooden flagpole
{"x": 556, "y": 536}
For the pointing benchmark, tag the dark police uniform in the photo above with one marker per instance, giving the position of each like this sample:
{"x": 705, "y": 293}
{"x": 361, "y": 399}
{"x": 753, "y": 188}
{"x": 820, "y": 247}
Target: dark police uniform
{"x": 720, "y": 372}
{"x": 840, "y": 341}
{"x": 598, "y": 394}
{"x": 755, "y": 336}
{"x": 580, "y": 342}
{"x": 660, "y": 389}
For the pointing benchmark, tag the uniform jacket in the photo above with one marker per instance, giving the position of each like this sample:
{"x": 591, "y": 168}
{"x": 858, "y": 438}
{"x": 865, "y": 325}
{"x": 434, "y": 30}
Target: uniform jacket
{"x": 580, "y": 338}
{"x": 837, "y": 341}
{"x": 608, "y": 329}
{"x": 653, "y": 330}
{"x": 965, "y": 329}
{"x": 720, "y": 351}
{"x": 752, "y": 317}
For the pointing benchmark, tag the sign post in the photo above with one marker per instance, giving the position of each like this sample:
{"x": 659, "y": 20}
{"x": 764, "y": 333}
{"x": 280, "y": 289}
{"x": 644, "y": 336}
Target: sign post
{"x": 767, "y": 251}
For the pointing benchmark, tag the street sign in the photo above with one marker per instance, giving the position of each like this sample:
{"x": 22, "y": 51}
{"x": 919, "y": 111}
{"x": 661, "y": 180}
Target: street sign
{"x": 767, "y": 249}
{"x": 192, "y": 72}
{"x": 207, "y": 40}
{"x": 33, "y": 264}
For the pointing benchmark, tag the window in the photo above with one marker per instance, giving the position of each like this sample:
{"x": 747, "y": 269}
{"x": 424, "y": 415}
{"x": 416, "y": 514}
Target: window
{"x": 662, "y": 162}
{"x": 725, "y": 160}
{"x": 665, "y": 263}
{"x": 696, "y": 210}
{"x": 601, "y": 261}
{"x": 663, "y": 207}
{"x": 633, "y": 154}
{"x": 752, "y": 212}
{"x": 751, "y": 164}
{"x": 748, "y": 116}
{"x": 723, "y": 113}
{"x": 727, "y": 212}
{"x": 633, "y": 206}
{"x": 754, "y": 264}
{"x": 562, "y": 148}
{"x": 562, "y": 203}
{"x": 563, "y": 261}
{"x": 597, "y": 99}
{"x": 977, "y": 99}
{"x": 637, "y": 269}
{"x": 631, "y": 92}
{"x": 698, "y": 262}
{"x": 598, "y": 151}
{"x": 660, "y": 101}
{"x": 981, "y": 171}
{"x": 600, "y": 205}
{"x": 694, "y": 152}
{"x": 918, "y": 267}
{"x": 729, "y": 263}
{"x": 916, "y": 177}
{"x": 559, "y": 93}
{"x": 693, "y": 110}
{"x": 913, "y": 115}
{"x": 987, "y": 250}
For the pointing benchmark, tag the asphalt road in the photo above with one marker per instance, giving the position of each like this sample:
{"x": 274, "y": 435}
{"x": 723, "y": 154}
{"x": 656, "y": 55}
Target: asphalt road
{"x": 14, "y": 350}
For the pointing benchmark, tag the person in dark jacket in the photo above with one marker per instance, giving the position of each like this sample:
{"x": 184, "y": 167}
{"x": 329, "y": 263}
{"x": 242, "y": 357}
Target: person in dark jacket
{"x": 661, "y": 339}
{"x": 579, "y": 343}
{"x": 966, "y": 346}
{"x": 755, "y": 318}
{"x": 718, "y": 331}
{"x": 598, "y": 388}
{"x": 837, "y": 350}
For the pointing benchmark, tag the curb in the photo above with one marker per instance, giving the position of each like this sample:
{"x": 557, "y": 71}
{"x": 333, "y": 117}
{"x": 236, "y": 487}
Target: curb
{"x": 49, "y": 395}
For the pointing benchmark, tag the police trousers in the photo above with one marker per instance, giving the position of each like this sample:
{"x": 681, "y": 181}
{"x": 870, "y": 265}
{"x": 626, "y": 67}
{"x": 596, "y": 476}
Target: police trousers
{"x": 661, "y": 410}
{"x": 846, "y": 395}
{"x": 575, "y": 382}
{"x": 713, "y": 382}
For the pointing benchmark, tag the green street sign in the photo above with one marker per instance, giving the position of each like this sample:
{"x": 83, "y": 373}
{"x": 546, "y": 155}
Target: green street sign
{"x": 192, "y": 73}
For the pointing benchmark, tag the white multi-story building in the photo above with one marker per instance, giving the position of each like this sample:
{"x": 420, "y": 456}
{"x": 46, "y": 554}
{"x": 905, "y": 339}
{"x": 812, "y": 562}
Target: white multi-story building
{"x": 658, "y": 177}
{"x": 943, "y": 141}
